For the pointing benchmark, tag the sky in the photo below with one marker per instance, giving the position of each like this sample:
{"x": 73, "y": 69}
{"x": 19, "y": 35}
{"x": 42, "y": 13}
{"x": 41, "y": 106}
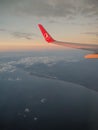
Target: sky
{"x": 65, "y": 20}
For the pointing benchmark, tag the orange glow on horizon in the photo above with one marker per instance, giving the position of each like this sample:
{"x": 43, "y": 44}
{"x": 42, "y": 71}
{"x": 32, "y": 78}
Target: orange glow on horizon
{"x": 15, "y": 45}
{"x": 22, "y": 47}
{"x": 91, "y": 56}
{"x": 22, "y": 44}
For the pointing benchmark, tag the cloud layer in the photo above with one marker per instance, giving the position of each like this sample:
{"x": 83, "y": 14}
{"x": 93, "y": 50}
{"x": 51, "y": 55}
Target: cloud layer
{"x": 29, "y": 61}
{"x": 24, "y": 35}
{"x": 71, "y": 17}
{"x": 92, "y": 33}
{"x": 52, "y": 8}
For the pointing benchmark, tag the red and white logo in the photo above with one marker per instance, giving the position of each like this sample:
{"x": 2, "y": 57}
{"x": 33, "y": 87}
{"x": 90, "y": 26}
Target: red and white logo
{"x": 46, "y": 36}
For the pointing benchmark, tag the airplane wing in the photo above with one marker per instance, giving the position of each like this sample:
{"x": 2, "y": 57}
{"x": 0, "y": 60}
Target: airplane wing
{"x": 89, "y": 47}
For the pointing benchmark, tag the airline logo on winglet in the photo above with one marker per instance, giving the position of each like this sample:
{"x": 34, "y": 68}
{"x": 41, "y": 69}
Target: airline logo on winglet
{"x": 46, "y": 35}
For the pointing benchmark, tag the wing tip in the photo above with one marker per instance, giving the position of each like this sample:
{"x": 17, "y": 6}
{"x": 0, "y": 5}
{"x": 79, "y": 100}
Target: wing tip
{"x": 46, "y": 35}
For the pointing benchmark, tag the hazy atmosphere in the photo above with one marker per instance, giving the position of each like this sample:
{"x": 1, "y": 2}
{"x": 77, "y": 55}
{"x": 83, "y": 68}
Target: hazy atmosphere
{"x": 45, "y": 86}
{"x": 66, "y": 20}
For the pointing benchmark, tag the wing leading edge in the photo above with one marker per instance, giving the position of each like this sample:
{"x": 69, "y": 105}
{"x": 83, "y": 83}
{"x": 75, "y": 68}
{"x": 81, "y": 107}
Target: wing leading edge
{"x": 89, "y": 47}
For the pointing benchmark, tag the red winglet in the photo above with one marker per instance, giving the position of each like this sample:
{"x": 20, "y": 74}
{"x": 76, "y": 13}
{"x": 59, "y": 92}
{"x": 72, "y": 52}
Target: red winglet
{"x": 46, "y": 35}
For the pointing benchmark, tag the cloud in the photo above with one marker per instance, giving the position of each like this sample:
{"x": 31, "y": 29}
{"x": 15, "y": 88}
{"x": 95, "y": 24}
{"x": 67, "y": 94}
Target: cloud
{"x": 7, "y": 67}
{"x": 49, "y": 61}
{"x": 53, "y": 21}
{"x": 68, "y": 12}
{"x": 51, "y": 8}
{"x": 29, "y": 61}
{"x": 92, "y": 33}
{"x": 27, "y": 36}
{"x": 2, "y": 30}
